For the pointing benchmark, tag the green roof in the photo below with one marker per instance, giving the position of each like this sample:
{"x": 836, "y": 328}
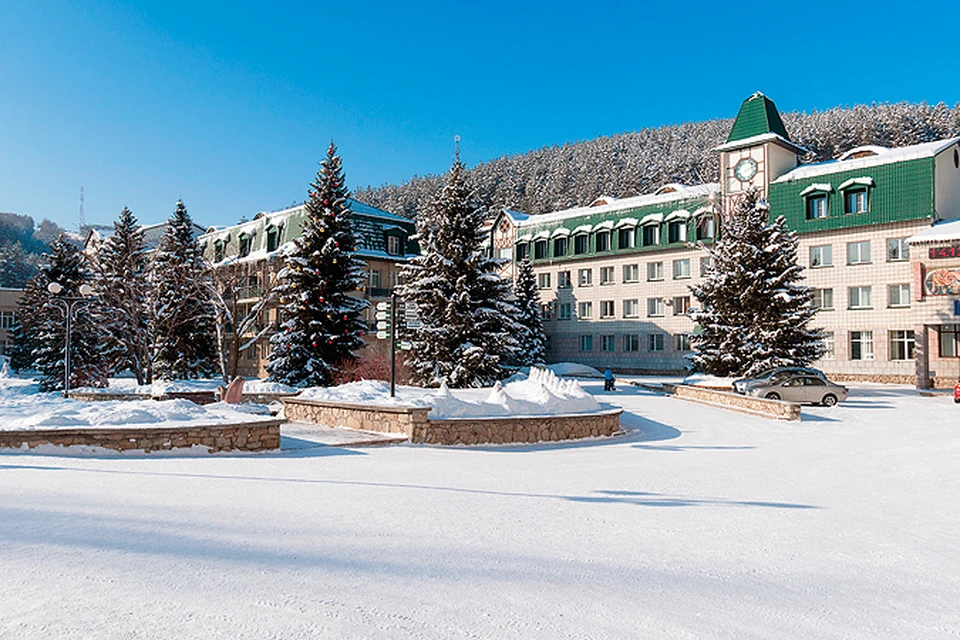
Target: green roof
{"x": 758, "y": 115}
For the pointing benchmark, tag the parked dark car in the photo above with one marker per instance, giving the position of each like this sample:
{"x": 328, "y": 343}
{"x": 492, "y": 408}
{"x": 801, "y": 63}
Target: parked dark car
{"x": 774, "y": 375}
{"x": 801, "y": 389}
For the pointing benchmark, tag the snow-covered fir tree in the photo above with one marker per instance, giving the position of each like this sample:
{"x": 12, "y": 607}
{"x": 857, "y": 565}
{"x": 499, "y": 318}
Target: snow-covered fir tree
{"x": 27, "y": 316}
{"x": 753, "y": 312}
{"x": 46, "y": 327}
{"x": 469, "y": 324}
{"x": 321, "y": 321}
{"x": 123, "y": 287}
{"x": 16, "y": 266}
{"x": 531, "y": 340}
{"x": 184, "y": 342}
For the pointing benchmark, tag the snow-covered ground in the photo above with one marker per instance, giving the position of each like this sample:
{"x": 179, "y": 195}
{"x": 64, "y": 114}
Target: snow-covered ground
{"x": 700, "y": 523}
{"x": 129, "y": 385}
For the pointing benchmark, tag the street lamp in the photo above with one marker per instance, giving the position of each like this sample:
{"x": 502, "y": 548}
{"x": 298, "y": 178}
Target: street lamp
{"x": 68, "y": 305}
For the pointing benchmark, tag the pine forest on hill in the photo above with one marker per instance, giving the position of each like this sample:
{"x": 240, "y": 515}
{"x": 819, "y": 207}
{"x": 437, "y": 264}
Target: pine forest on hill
{"x": 630, "y": 164}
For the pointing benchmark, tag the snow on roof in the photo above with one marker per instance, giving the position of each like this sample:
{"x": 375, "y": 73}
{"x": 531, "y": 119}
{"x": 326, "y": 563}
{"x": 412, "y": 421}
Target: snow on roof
{"x": 584, "y": 228}
{"x": 606, "y": 224}
{"x": 864, "y": 151}
{"x": 543, "y": 234}
{"x": 702, "y": 211}
{"x": 817, "y": 187}
{"x": 891, "y": 156}
{"x": 865, "y": 181}
{"x": 679, "y": 214}
{"x": 627, "y": 222}
{"x": 759, "y": 139}
{"x": 684, "y": 193}
{"x": 602, "y": 200}
{"x": 527, "y": 237}
{"x": 560, "y": 231}
{"x": 517, "y": 216}
{"x": 653, "y": 218}
{"x": 670, "y": 187}
{"x": 946, "y": 231}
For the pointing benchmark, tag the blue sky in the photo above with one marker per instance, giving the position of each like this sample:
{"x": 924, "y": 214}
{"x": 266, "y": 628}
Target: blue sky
{"x": 230, "y": 105}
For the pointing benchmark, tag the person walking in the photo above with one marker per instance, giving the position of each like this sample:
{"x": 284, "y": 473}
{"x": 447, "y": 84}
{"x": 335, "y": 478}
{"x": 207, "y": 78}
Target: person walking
{"x": 608, "y": 380}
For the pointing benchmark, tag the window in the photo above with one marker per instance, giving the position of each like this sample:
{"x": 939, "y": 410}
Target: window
{"x": 829, "y": 346}
{"x": 540, "y": 249}
{"x": 860, "y": 297}
{"x": 681, "y": 342}
{"x": 393, "y": 279}
{"x": 631, "y": 273}
{"x": 245, "y": 243}
{"x": 7, "y": 319}
{"x": 681, "y": 305}
{"x": 707, "y": 228}
{"x": 654, "y": 307}
{"x": 897, "y": 249}
{"x": 546, "y": 309}
{"x": 563, "y": 280}
{"x": 821, "y": 256}
{"x": 585, "y": 310}
{"x": 677, "y": 232}
{"x": 631, "y": 342}
{"x": 861, "y": 345}
{"x": 631, "y": 308}
{"x": 543, "y": 280}
{"x": 393, "y": 245}
{"x": 374, "y": 278}
{"x": 606, "y": 275}
{"x": 627, "y": 238}
{"x": 654, "y": 271}
{"x": 581, "y": 244}
{"x": 606, "y": 309}
{"x": 523, "y": 251}
{"x": 655, "y": 342}
{"x": 585, "y": 277}
{"x": 273, "y": 238}
{"x": 586, "y": 343}
{"x": 253, "y": 351}
{"x": 681, "y": 269}
{"x": 651, "y": 235}
{"x": 218, "y": 251}
{"x": 565, "y": 311}
{"x": 608, "y": 343}
{"x": 823, "y": 299}
{"x": 559, "y": 247}
{"x": 858, "y": 252}
{"x": 603, "y": 241}
{"x": 504, "y": 253}
{"x": 855, "y": 201}
{"x": 902, "y": 344}
{"x": 898, "y": 295}
{"x": 816, "y": 207}
{"x": 705, "y": 263}
{"x": 949, "y": 341}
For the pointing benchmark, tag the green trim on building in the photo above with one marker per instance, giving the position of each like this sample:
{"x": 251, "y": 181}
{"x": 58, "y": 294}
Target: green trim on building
{"x": 901, "y": 191}
{"x": 758, "y": 115}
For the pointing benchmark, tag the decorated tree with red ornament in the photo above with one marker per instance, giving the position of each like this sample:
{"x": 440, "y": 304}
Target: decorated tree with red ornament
{"x": 321, "y": 322}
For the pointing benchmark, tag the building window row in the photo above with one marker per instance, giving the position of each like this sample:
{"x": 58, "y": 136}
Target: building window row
{"x": 631, "y": 342}
{"x": 630, "y": 274}
{"x": 859, "y": 253}
{"x": 855, "y": 197}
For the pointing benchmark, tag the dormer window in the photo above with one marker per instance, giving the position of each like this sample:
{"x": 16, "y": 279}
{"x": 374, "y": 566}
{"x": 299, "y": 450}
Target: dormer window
{"x": 707, "y": 227}
{"x": 581, "y": 244}
{"x": 218, "y": 251}
{"x": 627, "y": 238}
{"x": 540, "y": 249}
{"x": 856, "y": 194}
{"x": 817, "y": 206}
{"x": 603, "y": 241}
{"x": 677, "y": 231}
{"x": 246, "y": 241}
{"x": 393, "y": 245}
{"x": 273, "y": 238}
{"x": 523, "y": 251}
{"x": 560, "y": 247}
{"x": 651, "y": 235}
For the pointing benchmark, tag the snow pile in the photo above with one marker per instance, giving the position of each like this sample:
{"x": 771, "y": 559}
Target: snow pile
{"x": 264, "y": 386}
{"x": 539, "y": 394}
{"x": 573, "y": 369}
{"x": 706, "y": 380}
{"x": 129, "y": 385}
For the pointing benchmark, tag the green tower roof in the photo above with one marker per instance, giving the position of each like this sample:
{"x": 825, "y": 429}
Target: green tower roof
{"x": 758, "y": 115}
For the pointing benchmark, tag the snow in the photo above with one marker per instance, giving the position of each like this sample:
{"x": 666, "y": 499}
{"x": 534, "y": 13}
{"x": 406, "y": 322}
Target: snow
{"x": 947, "y": 231}
{"x": 700, "y": 523}
{"x": 707, "y": 380}
{"x": 864, "y": 181}
{"x": 159, "y": 388}
{"x": 541, "y": 393}
{"x": 574, "y": 370}
{"x": 22, "y": 407}
{"x": 817, "y": 187}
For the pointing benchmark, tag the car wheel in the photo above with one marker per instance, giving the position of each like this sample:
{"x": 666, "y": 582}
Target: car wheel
{"x": 829, "y": 400}
{"x": 772, "y": 396}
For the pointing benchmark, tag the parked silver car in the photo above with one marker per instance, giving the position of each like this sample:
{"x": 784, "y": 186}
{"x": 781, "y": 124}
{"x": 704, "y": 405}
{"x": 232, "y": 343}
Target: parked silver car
{"x": 773, "y": 376}
{"x": 801, "y": 389}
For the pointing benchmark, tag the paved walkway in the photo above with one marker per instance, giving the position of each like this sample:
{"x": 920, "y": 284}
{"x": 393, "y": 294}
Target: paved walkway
{"x": 304, "y": 435}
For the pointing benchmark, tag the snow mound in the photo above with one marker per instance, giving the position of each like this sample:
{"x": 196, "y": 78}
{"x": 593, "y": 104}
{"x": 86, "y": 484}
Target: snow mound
{"x": 706, "y": 380}
{"x": 368, "y": 392}
{"x": 574, "y": 369}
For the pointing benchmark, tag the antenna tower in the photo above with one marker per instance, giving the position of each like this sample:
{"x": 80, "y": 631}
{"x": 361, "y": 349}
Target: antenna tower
{"x": 83, "y": 217}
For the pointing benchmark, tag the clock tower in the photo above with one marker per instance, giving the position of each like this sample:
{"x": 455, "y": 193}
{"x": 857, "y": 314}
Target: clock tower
{"x": 757, "y": 151}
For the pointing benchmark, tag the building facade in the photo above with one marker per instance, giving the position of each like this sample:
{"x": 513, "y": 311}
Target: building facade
{"x": 877, "y": 237}
{"x": 8, "y": 316}
{"x": 249, "y": 254}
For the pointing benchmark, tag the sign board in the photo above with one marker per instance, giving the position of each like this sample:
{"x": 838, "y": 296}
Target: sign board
{"x": 945, "y": 252}
{"x": 383, "y": 326}
{"x": 406, "y": 346}
{"x": 411, "y": 306}
{"x": 382, "y": 315}
{"x": 383, "y": 306}
{"x": 414, "y": 324}
{"x": 382, "y": 335}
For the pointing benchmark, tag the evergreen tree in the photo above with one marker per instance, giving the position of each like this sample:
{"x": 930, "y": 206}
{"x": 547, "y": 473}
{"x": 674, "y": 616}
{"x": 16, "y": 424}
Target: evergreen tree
{"x": 532, "y": 341}
{"x": 321, "y": 323}
{"x": 42, "y": 328}
{"x": 27, "y": 317}
{"x": 468, "y": 323}
{"x": 181, "y": 312}
{"x": 16, "y": 266}
{"x": 753, "y": 313}
{"x": 122, "y": 286}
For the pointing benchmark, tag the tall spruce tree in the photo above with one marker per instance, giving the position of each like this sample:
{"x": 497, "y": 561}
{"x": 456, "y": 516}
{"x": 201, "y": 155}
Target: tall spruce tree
{"x": 43, "y": 330}
{"x": 27, "y": 318}
{"x": 531, "y": 340}
{"x": 753, "y": 313}
{"x": 321, "y": 322}
{"x": 469, "y": 324}
{"x": 123, "y": 287}
{"x": 16, "y": 266}
{"x": 181, "y": 312}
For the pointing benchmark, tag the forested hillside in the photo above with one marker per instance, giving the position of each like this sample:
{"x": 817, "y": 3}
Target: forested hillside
{"x": 630, "y": 164}
{"x": 21, "y": 244}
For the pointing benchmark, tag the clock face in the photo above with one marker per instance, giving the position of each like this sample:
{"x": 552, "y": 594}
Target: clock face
{"x": 745, "y": 169}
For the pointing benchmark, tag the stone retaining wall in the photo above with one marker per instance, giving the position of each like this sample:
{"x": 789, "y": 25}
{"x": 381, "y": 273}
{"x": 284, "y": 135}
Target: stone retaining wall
{"x": 261, "y": 435}
{"x": 776, "y": 409}
{"x": 413, "y": 422}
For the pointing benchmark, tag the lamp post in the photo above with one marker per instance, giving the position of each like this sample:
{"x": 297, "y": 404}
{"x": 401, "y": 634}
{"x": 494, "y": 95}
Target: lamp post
{"x": 68, "y": 305}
